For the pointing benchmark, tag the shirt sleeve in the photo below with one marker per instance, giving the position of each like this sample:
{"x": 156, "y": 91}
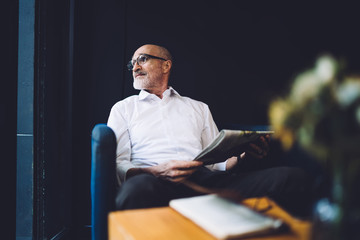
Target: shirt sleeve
{"x": 118, "y": 124}
{"x": 209, "y": 133}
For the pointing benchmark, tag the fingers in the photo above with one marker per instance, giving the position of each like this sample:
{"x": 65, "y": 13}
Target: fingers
{"x": 179, "y": 175}
{"x": 261, "y": 148}
{"x": 185, "y": 164}
{"x": 177, "y": 171}
{"x": 173, "y": 173}
{"x": 255, "y": 155}
{"x": 255, "y": 148}
{"x": 265, "y": 141}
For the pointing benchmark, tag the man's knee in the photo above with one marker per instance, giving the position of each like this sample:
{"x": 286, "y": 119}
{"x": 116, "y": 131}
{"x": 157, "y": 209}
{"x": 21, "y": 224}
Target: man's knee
{"x": 140, "y": 191}
{"x": 290, "y": 179}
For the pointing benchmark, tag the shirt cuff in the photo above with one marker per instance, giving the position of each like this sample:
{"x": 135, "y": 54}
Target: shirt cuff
{"x": 218, "y": 166}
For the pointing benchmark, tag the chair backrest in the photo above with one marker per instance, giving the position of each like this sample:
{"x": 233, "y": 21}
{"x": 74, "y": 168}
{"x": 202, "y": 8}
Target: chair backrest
{"x": 103, "y": 179}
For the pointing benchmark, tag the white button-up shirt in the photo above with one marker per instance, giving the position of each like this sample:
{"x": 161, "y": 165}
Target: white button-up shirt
{"x": 150, "y": 131}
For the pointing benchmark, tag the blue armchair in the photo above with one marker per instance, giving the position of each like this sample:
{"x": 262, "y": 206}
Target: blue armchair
{"x": 103, "y": 179}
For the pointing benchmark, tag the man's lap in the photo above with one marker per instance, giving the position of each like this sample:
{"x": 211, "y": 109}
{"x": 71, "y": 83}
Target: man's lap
{"x": 279, "y": 183}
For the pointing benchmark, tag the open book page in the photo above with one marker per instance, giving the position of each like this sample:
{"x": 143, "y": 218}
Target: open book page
{"x": 228, "y": 144}
{"x": 224, "y": 219}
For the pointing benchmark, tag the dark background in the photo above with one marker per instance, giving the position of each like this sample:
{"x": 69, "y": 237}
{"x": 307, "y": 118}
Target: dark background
{"x": 234, "y": 55}
{"x": 238, "y": 53}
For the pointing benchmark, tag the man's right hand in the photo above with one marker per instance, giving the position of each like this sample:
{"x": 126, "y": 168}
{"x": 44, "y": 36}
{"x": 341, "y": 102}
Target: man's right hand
{"x": 174, "y": 170}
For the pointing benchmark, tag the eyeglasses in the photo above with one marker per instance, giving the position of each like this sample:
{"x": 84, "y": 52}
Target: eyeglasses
{"x": 141, "y": 60}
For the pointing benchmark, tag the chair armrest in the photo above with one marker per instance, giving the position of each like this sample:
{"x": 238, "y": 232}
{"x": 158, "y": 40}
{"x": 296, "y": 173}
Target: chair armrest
{"x": 103, "y": 179}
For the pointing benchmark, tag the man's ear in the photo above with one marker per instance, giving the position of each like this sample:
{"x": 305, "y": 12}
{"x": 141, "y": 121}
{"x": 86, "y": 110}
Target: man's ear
{"x": 167, "y": 66}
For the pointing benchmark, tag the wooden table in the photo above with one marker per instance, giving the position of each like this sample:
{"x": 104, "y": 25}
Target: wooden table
{"x": 166, "y": 223}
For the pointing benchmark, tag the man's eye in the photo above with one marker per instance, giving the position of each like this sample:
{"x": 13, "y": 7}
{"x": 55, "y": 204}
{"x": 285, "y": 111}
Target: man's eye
{"x": 142, "y": 59}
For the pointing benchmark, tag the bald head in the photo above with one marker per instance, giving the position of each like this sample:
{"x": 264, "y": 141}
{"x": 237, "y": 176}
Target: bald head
{"x": 155, "y": 50}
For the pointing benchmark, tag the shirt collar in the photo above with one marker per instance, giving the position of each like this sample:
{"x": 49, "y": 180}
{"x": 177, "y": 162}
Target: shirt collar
{"x": 168, "y": 92}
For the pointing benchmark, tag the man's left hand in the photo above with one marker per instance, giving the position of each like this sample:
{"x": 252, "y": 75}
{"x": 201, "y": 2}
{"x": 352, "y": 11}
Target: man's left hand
{"x": 258, "y": 149}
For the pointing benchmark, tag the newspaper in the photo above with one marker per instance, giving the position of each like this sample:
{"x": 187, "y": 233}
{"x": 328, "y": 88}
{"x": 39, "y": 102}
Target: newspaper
{"x": 227, "y": 144}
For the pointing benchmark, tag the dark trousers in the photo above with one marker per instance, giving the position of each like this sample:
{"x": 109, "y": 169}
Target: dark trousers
{"x": 288, "y": 186}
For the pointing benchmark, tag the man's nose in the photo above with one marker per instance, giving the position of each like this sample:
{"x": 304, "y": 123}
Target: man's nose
{"x": 136, "y": 67}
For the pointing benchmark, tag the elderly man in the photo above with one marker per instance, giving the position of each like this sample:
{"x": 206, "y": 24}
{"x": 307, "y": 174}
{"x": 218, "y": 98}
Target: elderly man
{"x": 159, "y": 132}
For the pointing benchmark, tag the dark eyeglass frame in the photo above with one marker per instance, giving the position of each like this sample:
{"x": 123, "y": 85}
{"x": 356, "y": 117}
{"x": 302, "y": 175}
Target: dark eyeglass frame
{"x": 131, "y": 63}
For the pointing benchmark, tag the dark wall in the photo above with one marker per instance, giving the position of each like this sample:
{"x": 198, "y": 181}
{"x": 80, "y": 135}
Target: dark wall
{"x": 233, "y": 55}
{"x": 97, "y": 84}
{"x": 53, "y": 96}
{"x": 8, "y": 115}
{"x": 240, "y": 53}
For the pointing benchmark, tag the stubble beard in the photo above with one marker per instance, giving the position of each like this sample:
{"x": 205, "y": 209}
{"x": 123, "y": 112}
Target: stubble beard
{"x": 145, "y": 82}
{"x": 141, "y": 84}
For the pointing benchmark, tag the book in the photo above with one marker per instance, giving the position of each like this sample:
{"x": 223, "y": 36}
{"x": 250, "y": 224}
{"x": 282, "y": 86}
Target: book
{"x": 225, "y": 219}
{"x": 228, "y": 143}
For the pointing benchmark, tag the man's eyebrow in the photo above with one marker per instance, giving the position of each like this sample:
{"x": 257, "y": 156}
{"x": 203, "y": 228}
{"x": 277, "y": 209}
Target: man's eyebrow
{"x": 138, "y": 55}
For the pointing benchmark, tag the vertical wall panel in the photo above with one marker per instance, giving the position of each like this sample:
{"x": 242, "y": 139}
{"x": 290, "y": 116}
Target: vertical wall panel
{"x": 98, "y": 79}
{"x": 53, "y": 119}
{"x": 25, "y": 113}
{"x": 24, "y": 193}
